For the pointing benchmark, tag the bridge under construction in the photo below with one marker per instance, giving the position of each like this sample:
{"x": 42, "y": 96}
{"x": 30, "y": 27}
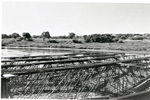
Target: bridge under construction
{"x": 83, "y": 75}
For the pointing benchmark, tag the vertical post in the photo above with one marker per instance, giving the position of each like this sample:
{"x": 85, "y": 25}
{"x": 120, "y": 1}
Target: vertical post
{"x": 4, "y": 88}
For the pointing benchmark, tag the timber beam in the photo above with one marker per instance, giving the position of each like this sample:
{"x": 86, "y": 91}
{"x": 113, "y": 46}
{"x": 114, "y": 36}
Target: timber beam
{"x": 56, "y": 55}
{"x": 83, "y": 66}
{"x": 57, "y": 62}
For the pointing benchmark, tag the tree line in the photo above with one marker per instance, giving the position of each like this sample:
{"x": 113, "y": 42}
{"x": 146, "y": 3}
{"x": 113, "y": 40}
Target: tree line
{"x": 27, "y": 36}
{"x": 101, "y": 38}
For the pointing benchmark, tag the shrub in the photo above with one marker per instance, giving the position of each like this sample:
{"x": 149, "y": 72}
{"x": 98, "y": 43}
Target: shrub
{"x": 45, "y": 35}
{"x": 3, "y": 44}
{"x": 76, "y": 41}
{"x": 52, "y": 41}
{"x": 26, "y": 35}
{"x": 15, "y": 35}
{"x": 29, "y": 39}
{"x": 36, "y": 36}
{"x": 4, "y": 36}
{"x": 19, "y": 39}
{"x": 115, "y": 39}
{"x": 120, "y": 41}
{"x": 138, "y": 38}
{"x": 101, "y": 38}
{"x": 71, "y": 35}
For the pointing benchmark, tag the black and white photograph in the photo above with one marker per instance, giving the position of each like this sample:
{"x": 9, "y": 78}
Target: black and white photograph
{"x": 86, "y": 50}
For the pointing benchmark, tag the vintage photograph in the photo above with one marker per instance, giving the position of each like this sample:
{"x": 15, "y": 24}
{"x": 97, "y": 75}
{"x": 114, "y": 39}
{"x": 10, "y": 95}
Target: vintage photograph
{"x": 75, "y": 50}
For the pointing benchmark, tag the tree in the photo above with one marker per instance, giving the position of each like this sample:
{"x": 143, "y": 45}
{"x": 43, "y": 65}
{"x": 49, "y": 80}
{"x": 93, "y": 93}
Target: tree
{"x": 84, "y": 36}
{"x": 45, "y": 35}
{"x": 10, "y": 36}
{"x": 101, "y": 38}
{"x": 15, "y": 35}
{"x": 4, "y": 36}
{"x": 26, "y": 35}
{"x": 71, "y": 35}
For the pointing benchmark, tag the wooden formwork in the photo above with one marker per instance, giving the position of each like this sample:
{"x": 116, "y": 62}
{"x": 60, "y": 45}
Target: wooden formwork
{"x": 79, "y": 76}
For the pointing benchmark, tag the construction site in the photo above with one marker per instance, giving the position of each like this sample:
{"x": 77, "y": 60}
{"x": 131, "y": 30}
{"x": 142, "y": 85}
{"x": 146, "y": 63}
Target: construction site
{"x": 84, "y": 75}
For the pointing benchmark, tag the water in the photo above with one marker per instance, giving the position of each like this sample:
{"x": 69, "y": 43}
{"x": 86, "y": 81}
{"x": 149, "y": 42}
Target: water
{"x": 30, "y": 52}
{"x": 17, "y": 52}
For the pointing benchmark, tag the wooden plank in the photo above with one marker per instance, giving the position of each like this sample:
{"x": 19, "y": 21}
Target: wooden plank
{"x": 83, "y": 66}
{"x": 34, "y": 56}
{"x": 35, "y": 59}
{"x": 52, "y": 55}
{"x": 58, "y": 58}
{"x": 56, "y": 62}
{"x": 71, "y": 61}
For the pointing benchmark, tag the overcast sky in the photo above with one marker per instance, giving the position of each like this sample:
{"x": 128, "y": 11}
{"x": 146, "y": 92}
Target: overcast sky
{"x": 61, "y": 18}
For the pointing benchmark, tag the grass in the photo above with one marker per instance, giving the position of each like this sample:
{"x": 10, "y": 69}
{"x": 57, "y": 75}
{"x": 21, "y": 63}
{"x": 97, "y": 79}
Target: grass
{"x": 128, "y": 45}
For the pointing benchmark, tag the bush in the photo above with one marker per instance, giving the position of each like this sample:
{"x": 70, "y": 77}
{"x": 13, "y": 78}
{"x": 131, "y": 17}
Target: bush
{"x": 101, "y": 38}
{"x": 71, "y": 35}
{"x": 45, "y": 35}
{"x": 120, "y": 41}
{"x": 76, "y": 41}
{"x": 4, "y": 36}
{"x": 3, "y": 44}
{"x": 19, "y": 39}
{"x": 115, "y": 39}
{"x": 138, "y": 38}
{"x": 52, "y": 41}
{"x": 26, "y": 35}
{"x": 15, "y": 35}
{"x": 29, "y": 39}
{"x": 36, "y": 36}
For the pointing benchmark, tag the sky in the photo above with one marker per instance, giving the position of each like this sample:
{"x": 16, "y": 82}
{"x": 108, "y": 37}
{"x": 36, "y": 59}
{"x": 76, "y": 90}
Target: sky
{"x": 82, "y": 18}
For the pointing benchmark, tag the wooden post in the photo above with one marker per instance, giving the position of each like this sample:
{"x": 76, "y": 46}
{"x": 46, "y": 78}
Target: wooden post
{"x": 4, "y": 88}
